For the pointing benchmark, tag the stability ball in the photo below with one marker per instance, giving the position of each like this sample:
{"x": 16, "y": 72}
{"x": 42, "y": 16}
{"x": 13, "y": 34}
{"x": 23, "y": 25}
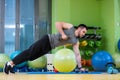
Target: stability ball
{"x": 64, "y": 60}
{"x": 3, "y": 59}
{"x": 100, "y": 60}
{"x": 56, "y": 49}
{"x": 13, "y": 55}
{"x": 38, "y": 63}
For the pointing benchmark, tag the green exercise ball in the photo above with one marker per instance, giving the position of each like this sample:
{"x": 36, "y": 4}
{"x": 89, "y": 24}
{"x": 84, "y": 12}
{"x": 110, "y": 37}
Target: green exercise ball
{"x": 116, "y": 58}
{"x": 40, "y": 62}
{"x": 64, "y": 60}
{"x": 3, "y": 59}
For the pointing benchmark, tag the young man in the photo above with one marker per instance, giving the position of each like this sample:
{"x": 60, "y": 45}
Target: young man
{"x": 68, "y": 34}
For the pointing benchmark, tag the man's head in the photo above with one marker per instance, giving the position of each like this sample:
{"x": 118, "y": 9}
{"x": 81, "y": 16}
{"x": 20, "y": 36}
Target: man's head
{"x": 81, "y": 30}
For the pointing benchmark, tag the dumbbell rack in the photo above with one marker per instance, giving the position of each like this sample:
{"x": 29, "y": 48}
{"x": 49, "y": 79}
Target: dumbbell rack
{"x": 91, "y": 36}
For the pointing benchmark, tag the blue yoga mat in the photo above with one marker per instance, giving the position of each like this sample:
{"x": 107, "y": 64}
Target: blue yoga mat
{"x": 63, "y": 73}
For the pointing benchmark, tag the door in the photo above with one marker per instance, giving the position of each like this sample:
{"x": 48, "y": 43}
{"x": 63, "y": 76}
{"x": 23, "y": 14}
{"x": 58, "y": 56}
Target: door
{"x": 22, "y": 23}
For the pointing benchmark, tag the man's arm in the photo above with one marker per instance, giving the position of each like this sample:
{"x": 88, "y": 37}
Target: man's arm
{"x": 61, "y": 26}
{"x": 77, "y": 54}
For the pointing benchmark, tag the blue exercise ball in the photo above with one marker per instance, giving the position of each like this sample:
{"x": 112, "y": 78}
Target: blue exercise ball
{"x": 13, "y": 55}
{"x": 119, "y": 44}
{"x": 100, "y": 60}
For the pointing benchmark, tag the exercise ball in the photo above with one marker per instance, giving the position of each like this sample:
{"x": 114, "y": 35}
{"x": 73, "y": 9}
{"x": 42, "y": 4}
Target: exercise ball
{"x": 64, "y": 60}
{"x": 100, "y": 60}
{"x": 68, "y": 46}
{"x": 56, "y": 49}
{"x": 13, "y": 55}
{"x": 116, "y": 58}
{"x": 40, "y": 62}
{"x": 3, "y": 59}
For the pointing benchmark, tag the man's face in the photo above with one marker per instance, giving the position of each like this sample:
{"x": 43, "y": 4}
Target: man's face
{"x": 82, "y": 32}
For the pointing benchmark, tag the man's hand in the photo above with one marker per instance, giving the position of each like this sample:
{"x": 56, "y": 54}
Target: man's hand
{"x": 64, "y": 37}
{"x": 60, "y": 27}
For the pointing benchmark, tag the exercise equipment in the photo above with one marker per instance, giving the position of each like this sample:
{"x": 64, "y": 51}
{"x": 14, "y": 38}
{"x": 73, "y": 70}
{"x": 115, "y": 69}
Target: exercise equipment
{"x": 100, "y": 60}
{"x": 83, "y": 62}
{"x": 83, "y": 43}
{"x": 112, "y": 70}
{"x": 88, "y": 62}
{"x": 40, "y": 62}
{"x": 91, "y": 43}
{"x": 64, "y": 60}
{"x": 56, "y": 49}
{"x": 94, "y": 27}
{"x": 98, "y": 37}
{"x": 98, "y": 43}
{"x": 3, "y": 59}
{"x": 92, "y": 36}
{"x": 88, "y": 53}
{"x": 68, "y": 45}
{"x": 86, "y": 36}
{"x": 116, "y": 57}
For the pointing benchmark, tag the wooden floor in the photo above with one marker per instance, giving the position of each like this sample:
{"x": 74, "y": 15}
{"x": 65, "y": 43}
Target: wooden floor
{"x": 23, "y": 76}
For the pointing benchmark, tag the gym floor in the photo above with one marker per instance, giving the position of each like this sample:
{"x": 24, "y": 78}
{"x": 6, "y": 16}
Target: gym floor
{"x": 25, "y": 76}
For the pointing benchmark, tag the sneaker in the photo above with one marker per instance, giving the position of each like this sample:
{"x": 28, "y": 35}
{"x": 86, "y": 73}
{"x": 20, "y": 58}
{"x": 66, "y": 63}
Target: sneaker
{"x": 12, "y": 70}
{"x": 8, "y": 68}
{"x": 84, "y": 70}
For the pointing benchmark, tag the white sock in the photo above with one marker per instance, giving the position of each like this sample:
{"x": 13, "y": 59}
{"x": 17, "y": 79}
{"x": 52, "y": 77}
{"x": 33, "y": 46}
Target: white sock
{"x": 9, "y": 64}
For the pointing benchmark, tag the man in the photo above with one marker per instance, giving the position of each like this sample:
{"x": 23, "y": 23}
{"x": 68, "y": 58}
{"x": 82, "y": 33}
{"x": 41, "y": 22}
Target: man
{"x": 68, "y": 34}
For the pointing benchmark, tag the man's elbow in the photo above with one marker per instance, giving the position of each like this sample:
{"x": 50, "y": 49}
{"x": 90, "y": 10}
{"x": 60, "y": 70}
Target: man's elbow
{"x": 57, "y": 24}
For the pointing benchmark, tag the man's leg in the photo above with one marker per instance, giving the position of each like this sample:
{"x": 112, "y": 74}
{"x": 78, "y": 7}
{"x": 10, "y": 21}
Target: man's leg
{"x": 36, "y": 50}
{"x": 24, "y": 56}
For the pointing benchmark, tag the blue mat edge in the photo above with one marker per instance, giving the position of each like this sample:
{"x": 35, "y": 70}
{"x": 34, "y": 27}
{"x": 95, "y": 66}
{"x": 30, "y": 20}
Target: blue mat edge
{"x": 63, "y": 73}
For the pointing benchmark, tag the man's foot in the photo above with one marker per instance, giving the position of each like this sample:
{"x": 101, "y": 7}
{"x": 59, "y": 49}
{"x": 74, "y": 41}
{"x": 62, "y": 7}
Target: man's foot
{"x": 8, "y": 68}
